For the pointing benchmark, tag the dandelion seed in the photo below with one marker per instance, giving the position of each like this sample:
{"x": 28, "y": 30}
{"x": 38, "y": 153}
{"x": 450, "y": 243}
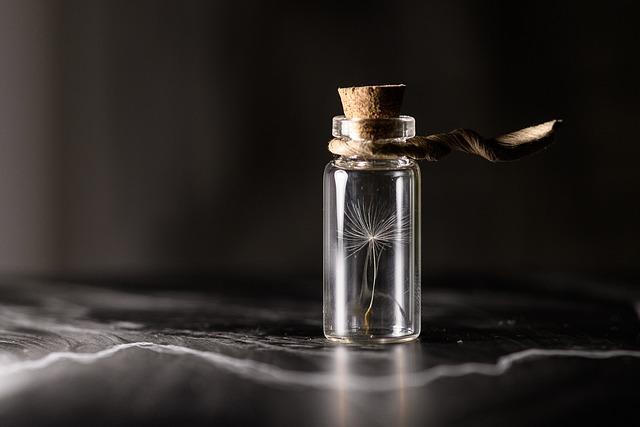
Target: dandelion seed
{"x": 371, "y": 228}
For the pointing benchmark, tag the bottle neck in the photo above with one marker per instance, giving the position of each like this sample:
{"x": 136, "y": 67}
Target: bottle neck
{"x": 354, "y": 131}
{"x": 379, "y": 164}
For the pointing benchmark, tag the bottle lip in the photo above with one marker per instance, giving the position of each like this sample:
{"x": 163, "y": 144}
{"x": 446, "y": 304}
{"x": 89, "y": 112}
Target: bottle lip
{"x": 370, "y": 129}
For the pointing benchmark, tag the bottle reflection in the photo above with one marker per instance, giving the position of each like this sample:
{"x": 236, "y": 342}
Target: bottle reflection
{"x": 372, "y": 387}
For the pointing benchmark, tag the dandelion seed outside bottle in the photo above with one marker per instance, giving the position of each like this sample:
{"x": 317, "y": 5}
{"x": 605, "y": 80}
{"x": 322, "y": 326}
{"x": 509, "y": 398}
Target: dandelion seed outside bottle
{"x": 372, "y": 239}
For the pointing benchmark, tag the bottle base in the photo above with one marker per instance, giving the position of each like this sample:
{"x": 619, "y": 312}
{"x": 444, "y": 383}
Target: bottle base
{"x": 372, "y": 338}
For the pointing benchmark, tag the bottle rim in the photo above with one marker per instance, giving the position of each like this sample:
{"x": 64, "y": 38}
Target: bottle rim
{"x": 369, "y": 129}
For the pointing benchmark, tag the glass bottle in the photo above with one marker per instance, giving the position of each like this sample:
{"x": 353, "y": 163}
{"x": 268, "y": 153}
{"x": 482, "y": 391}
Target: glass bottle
{"x": 372, "y": 241}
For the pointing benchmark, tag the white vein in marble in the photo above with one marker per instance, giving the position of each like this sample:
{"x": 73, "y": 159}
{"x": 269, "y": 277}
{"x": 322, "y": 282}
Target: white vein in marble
{"x": 271, "y": 374}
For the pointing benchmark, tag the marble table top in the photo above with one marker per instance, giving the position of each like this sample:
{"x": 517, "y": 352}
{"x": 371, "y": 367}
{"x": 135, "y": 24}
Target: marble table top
{"x": 546, "y": 350}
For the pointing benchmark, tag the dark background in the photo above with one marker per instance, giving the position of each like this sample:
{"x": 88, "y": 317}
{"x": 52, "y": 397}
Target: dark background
{"x": 163, "y": 136}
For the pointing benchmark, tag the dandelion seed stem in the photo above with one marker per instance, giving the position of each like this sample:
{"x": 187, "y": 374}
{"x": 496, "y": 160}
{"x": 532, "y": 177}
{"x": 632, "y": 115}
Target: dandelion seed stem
{"x": 376, "y": 261}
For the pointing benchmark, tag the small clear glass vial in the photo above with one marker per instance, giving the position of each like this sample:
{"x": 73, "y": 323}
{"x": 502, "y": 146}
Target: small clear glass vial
{"x": 372, "y": 241}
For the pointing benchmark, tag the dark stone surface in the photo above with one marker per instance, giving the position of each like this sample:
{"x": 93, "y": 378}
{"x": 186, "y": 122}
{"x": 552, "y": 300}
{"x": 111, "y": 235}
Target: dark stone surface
{"x": 550, "y": 350}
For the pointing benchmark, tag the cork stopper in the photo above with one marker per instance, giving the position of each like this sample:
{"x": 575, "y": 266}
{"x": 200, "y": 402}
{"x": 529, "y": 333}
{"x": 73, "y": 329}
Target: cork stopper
{"x": 372, "y": 102}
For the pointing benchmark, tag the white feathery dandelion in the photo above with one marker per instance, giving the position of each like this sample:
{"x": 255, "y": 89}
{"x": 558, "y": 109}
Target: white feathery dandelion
{"x": 371, "y": 228}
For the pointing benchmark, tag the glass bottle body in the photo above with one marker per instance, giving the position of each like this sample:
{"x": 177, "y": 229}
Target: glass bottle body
{"x": 371, "y": 250}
